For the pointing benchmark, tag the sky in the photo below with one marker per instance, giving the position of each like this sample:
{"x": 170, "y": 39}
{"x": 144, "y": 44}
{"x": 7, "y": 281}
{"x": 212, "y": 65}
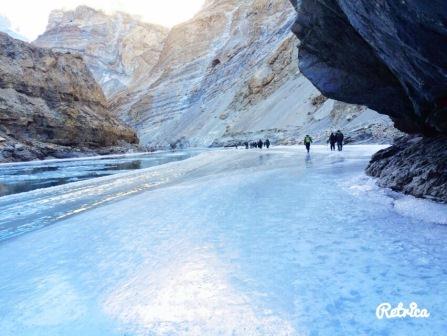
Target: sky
{"x": 29, "y": 17}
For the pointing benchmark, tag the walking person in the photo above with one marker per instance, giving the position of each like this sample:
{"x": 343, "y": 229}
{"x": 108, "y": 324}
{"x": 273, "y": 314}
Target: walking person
{"x": 332, "y": 140}
{"x": 260, "y": 144}
{"x": 339, "y": 138}
{"x": 307, "y": 142}
{"x": 267, "y": 143}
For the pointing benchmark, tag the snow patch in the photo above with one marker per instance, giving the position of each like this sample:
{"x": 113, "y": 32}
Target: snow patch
{"x": 421, "y": 209}
{"x": 408, "y": 206}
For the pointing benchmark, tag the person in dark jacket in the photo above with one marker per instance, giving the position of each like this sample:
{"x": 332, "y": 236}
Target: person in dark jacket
{"x": 246, "y": 144}
{"x": 260, "y": 144}
{"x": 267, "y": 143}
{"x": 307, "y": 141}
{"x": 339, "y": 138}
{"x": 332, "y": 140}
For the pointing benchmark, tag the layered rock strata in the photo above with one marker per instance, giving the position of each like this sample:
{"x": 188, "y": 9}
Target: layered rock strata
{"x": 50, "y": 99}
{"x": 116, "y": 48}
{"x": 223, "y": 77}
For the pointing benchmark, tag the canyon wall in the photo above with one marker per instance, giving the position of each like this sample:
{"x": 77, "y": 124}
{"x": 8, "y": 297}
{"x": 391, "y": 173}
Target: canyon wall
{"x": 50, "y": 103}
{"x": 223, "y": 77}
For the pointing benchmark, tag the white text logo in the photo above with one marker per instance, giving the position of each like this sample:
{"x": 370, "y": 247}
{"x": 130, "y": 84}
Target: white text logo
{"x": 385, "y": 310}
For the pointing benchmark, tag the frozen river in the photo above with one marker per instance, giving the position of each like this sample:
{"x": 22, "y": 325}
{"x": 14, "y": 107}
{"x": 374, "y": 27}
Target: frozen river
{"x": 22, "y": 212}
{"x": 27, "y": 176}
{"x": 228, "y": 242}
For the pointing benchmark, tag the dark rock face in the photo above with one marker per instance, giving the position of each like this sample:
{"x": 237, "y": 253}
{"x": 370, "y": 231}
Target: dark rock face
{"x": 413, "y": 165}
{"x": 50, "y": 99}
{"x": 389, "y": 55}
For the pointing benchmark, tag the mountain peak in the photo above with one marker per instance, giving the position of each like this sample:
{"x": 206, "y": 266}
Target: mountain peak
{"x": 87, "y": 15}
{"x": 113, "y": 46}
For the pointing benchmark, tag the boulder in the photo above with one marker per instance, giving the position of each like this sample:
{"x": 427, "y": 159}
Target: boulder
{"x": 413, "y": 165}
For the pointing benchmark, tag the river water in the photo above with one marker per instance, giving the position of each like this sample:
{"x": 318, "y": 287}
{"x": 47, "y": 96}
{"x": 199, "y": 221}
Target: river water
{"x": 22, "y": 177}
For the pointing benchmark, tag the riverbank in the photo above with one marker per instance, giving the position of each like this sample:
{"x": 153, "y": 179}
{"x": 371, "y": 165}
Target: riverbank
{"x": 413, "y": 165}
{"x": 12, "y": 150}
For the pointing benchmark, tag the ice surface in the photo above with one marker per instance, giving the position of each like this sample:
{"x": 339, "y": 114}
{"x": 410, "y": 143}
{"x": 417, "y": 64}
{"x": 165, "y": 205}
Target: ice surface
{"x": 422, "y": 209}
{"x": 228, "y": 242}
{"x": 21, "y": 213}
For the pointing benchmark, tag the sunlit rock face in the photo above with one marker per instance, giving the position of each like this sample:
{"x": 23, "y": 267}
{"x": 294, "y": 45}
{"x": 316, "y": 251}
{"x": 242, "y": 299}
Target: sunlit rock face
{"x": 223, "y": 77}
{"x": 228, "y": 75}
{"x": 48, "y": 99}
{"x": 115, "y": 47}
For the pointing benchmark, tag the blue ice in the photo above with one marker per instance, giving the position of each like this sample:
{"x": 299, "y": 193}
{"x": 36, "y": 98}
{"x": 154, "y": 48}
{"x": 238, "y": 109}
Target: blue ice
{"x": 232, "y": 242}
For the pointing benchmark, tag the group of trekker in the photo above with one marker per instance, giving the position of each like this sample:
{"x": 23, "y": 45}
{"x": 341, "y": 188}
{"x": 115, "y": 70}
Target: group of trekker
{"x": 257, "y": 144}
{"x": 336, "y": 138}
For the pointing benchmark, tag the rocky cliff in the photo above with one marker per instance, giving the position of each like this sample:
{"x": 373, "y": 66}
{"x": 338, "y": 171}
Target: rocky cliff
{"x": 390, "y": 56}
{"x": 50, "y": 104}
{"x": 226, "y": 76}
{"x": 115, "y": 47}
{"x": 222, "y": 77}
